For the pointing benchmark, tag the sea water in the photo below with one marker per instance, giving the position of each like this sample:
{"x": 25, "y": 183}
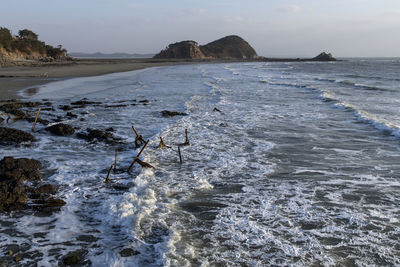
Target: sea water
{"x": 289, "y": 164}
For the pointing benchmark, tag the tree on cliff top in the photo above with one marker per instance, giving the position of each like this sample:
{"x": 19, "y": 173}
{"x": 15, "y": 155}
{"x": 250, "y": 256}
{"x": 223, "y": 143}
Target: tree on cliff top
{"x": 28, "y": 34}
{"x": 5, "y": 38}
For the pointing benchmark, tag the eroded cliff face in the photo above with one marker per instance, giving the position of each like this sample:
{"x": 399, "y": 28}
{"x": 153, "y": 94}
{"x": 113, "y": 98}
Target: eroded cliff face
{"x": 227, "y": 47}
{"x": 17, "y": 58}
{"x": 184, "y": 49}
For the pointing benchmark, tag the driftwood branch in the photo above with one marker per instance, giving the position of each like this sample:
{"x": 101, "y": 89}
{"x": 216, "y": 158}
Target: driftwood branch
{"x": 139, "y": 139}
{"x": 144, "y": 164}
{"x": 180, "y": 155}
{"x": 186, "y": 139}
{"x": 136, "y": 159}
{"x": 37, "y": 116}
{"x": 115, "y": 160}
{"x": 108, "y": 175}
{"x": 162, "y": 144}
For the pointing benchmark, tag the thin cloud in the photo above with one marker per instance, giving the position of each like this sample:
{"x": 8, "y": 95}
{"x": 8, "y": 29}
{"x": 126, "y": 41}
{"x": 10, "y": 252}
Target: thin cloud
{"x": 290, "y": 9}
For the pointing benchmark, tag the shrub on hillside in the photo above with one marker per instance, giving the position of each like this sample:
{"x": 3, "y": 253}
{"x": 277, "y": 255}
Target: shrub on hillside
{"x": 27, "y": 43}
{"x": 5, "y": 38}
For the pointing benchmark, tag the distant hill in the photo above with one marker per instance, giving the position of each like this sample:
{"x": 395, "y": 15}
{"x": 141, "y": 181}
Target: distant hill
{"x": 228, "y": 47}
{"x": 112, "y": 55}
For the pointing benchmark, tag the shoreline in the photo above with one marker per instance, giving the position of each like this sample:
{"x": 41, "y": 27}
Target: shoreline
{"x": 17, "y": 78}
{"x": 30, "y": 74}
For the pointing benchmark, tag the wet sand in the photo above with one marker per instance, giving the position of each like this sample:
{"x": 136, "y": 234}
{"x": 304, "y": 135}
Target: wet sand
{"x": 13, "y": 79}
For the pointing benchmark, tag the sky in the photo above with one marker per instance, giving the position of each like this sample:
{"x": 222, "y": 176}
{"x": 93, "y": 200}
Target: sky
{"x": 275, "y": 28}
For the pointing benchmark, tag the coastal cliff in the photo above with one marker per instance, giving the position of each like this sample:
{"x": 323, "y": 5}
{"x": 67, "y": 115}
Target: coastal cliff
{"x": 25, "y": 47}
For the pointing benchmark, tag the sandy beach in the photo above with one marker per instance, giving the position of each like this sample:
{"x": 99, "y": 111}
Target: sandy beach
{"x": 13, "y": 79}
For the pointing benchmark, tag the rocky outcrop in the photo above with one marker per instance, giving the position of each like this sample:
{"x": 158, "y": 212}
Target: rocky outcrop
{"x": 14, "y": 194}
{"x": 167, "y": 113}
{"x": 184, "y": 49}
{"x": 96, "y": 135}
{"x": 228, "y": 47}
{"x": 324, "y": 57}
{"x": 14, "y": 136}
{"x": 61, "y": 129}
{"x": 13, "y": 172}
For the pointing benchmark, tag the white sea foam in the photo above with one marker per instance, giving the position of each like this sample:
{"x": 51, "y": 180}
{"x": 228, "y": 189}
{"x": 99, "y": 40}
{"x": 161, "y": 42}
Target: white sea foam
{"x": 275, "y": 177}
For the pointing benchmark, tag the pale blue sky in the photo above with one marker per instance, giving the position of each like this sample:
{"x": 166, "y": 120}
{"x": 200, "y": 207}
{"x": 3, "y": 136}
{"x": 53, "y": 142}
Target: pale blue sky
{"x": 272, "y": 27}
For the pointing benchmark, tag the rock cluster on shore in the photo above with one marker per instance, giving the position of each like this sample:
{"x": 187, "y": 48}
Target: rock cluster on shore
{"x": 14, "y": 193}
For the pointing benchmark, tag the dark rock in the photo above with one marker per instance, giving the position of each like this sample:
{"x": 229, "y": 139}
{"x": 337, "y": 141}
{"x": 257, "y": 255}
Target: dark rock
{"x": 84, "y": 102}
{"x": 116, "y": 106}
{"x": 61, "y": 129}
{"x": 47, "y": 103}
{"x": 10, "y": 136}
{"x": 1, "y": 119}
{"x": 74, "y": 258}
{"x": 48, "y": 109}
{"x": 65, "y": 107}
{"x": 87, "y": 238}
{"x": 71, "y": 115}
{"x": 50, "y": 202}
{"x": 12, "y": 195}
{"x": 46, "y": 189}
{"x": 216, "y": 110}
{"x": 93, "y": 135}
{"x": 13, "y": 107}
{"x": 20, "y": 169}
{"x": 324, "y": 57}
{"x": 167, "y": 113}
{"x": 111, "y": 129}
{"x": 128, "y": 252}
{"x": 144, "y": 101}
{"x": 121, "y": 187}
{"x": 42, "y": 121}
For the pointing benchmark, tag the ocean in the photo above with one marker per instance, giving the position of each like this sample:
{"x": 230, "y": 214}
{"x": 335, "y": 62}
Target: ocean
{"x": 289, "y": 164}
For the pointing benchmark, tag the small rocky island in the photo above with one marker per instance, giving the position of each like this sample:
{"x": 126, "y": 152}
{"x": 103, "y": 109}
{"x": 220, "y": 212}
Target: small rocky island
{"x": 229, "y": 47}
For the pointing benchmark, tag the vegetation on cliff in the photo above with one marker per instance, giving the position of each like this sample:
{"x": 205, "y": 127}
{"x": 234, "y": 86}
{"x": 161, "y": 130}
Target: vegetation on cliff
{"x": 229, "y": 47}
{"x": 27, "y": 46}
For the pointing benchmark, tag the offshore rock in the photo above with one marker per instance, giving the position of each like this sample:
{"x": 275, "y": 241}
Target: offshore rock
{"x": 167, "y": 113}
{"x": 61, "y": 129}
{"x": 93, "y": 135}
{"x": 324, "y": 57}
{"x": 75, "y": 258}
